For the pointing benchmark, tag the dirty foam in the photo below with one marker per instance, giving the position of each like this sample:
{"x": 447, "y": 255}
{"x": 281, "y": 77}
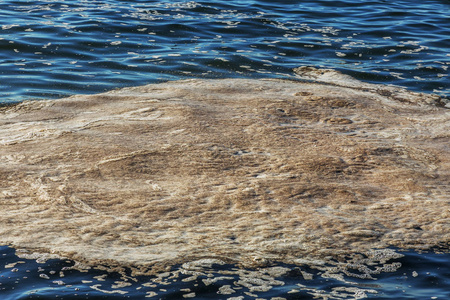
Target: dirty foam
{"x": 240, "y": 171}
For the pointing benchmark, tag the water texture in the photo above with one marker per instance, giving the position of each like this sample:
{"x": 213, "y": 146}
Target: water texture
{"x": 50, "y": 49}
{"x": 424, "y": 276}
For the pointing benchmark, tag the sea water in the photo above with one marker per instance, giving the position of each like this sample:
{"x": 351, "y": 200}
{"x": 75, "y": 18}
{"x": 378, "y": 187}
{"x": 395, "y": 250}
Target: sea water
{"x": 419, "y": 276}
{"x": 52, "y": 49}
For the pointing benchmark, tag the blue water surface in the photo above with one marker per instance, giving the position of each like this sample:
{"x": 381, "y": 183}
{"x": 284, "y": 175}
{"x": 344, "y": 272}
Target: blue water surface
{"x": 51, "y": 49}
{"x": 420, "y": 276}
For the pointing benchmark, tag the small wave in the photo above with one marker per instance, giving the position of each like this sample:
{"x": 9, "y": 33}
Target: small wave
{"x": 294, "y": 34}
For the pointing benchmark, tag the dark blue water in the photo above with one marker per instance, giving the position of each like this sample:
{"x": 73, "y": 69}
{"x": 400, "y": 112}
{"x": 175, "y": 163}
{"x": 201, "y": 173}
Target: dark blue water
{"x": 416, "y": 276}
{"x": 50, "y": 49}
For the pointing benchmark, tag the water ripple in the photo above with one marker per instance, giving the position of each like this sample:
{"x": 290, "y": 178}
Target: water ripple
{"x": 424, "y": 276}
{"x": 48, "y": 48}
